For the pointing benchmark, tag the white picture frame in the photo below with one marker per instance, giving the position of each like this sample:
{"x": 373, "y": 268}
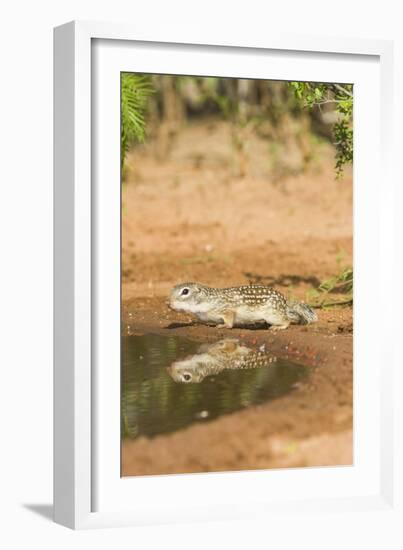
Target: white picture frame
{"x": 88, "y": 490}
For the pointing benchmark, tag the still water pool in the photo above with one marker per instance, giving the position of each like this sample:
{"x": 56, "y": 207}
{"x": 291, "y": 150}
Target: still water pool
{"x": 170, "y": 382}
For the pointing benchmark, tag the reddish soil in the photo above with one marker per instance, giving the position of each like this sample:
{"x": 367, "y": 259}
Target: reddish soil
{"x": 189, "y": 217}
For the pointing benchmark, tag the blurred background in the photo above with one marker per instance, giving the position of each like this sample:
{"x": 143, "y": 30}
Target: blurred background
{"x": 292, "y": 118}
{"x": 218, "y": 168}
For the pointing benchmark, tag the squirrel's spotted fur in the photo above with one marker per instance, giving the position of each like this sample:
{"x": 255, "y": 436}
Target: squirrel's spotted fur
{"x": 242, "y": 305}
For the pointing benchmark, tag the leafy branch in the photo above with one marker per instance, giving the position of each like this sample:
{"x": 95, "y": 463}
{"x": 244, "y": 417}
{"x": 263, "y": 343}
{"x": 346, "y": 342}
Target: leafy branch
{"x": 135, "y": 91}
{"x": 313, "y": 94}
{"x": 339, "y": 284}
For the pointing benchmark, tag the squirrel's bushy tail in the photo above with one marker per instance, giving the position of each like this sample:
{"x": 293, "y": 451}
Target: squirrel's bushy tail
{"x": 301, "y": 313}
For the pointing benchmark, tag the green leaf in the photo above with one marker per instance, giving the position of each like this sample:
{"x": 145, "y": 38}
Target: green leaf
{"x": 135, "y": 91}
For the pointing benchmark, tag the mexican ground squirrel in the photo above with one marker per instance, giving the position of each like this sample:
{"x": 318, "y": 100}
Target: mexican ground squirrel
{"x": 241, "y": 305}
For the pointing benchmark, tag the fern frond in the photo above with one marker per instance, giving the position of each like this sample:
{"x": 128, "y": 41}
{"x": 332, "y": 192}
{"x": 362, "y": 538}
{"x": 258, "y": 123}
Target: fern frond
{"x": 135, "y": 91}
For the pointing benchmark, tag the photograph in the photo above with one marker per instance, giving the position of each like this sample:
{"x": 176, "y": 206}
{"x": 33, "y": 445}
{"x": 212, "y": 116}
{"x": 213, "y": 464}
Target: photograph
{"x": 236, "y": 274}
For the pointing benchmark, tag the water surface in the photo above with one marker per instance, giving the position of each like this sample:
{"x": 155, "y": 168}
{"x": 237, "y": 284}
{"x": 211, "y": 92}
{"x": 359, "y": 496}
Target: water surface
{"x": 170, "y": 382}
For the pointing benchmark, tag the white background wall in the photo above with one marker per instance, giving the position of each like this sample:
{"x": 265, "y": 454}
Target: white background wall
{"x": 26, "y": 267}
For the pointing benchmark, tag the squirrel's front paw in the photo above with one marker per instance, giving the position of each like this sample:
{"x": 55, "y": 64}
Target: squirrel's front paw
{"x": 278, "y": 327}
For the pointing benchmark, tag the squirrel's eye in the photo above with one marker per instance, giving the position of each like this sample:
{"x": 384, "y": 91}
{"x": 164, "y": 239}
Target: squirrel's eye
{"x": 187, "y": 377}
{"x": 185, "y": 291}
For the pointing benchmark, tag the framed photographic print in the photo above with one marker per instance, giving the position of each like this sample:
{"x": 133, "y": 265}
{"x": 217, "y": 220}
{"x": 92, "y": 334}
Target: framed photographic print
{"x": 220, "y": 232}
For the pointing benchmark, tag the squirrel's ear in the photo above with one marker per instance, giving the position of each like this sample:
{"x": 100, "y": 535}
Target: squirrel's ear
{"x": 229, "y": 345}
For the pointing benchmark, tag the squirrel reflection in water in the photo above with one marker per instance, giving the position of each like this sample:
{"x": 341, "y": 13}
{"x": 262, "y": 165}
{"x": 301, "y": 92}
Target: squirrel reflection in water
{"x": 211, "y": 359}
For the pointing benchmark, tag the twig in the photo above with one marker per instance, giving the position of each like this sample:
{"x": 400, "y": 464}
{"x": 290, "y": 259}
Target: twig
{"x": 343, "y": 90}
{"x": 328, "y": 304}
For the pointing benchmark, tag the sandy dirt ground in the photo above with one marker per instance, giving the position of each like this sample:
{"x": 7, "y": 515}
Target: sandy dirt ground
{"x": 189, "y": 217}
